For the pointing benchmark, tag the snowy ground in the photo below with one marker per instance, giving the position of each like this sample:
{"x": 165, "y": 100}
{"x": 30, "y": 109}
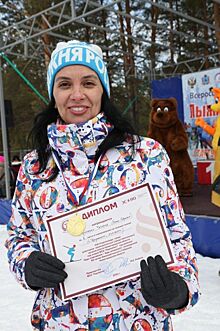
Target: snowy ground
{"x": 16, "y": 303}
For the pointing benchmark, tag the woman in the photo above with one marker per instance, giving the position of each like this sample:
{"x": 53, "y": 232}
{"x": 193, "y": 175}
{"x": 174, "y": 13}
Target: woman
{"x": 79, "y": 129}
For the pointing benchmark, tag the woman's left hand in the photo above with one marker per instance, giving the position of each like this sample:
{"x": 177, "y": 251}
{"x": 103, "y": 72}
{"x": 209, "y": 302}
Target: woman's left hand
{"x": 161, "y": 287}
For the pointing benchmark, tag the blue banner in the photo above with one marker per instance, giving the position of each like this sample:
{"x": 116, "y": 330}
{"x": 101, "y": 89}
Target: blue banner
{"x": 169, "y": 88}
{"x": 5, "y": 211}
{"x": 205, "y": 234}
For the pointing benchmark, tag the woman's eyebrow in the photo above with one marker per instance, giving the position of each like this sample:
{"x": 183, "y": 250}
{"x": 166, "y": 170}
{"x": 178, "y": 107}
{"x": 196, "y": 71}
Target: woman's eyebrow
{"x": 90, "y": 76}
{"x": 68, "y": 78}
{"x": 62, "y": 77}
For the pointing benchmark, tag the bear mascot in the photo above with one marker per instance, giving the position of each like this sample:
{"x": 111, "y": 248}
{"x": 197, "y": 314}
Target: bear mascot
{"x": 168, "y": 130}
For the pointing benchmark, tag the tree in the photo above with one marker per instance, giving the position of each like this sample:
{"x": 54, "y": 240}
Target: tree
{"x": 217, "y": 23}
{"x": 141, "y": 41}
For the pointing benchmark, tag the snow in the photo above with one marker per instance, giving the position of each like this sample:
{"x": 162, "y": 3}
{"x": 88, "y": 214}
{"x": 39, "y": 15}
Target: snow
{"x": 16, "y": 302}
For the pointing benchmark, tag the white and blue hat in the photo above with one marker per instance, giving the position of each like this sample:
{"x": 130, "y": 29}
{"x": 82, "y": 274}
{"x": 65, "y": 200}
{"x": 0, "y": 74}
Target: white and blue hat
{"x": 77, "y": 52}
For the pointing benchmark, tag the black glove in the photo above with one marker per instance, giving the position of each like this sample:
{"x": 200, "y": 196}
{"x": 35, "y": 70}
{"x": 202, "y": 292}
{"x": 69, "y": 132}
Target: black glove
{"x": 161, "y": 287}
{"x": 43, "y": 271}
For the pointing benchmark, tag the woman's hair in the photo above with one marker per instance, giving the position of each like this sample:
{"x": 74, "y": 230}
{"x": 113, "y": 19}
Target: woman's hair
{"x": 39, "y": 140}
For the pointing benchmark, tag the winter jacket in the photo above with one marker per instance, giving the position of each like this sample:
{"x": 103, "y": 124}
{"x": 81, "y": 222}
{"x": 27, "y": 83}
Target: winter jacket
{"x": 122, "y": 306}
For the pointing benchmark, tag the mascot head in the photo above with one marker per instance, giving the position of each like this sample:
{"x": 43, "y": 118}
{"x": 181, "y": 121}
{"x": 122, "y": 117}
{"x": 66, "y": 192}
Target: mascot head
{"x": 216, "y": 93}
{"x": 164, "y": 112}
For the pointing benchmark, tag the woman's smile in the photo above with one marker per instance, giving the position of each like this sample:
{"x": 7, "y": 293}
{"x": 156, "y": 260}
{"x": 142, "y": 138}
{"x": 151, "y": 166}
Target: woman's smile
{"x": 78, "y": 109}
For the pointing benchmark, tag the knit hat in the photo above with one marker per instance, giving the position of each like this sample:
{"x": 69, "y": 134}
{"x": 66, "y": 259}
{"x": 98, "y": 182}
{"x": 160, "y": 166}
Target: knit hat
{"x": 77, "y": 52}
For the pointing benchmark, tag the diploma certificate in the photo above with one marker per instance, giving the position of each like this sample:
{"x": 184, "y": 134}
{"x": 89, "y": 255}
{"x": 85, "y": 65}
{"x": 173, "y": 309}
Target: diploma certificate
{"x": 120, "y": 231}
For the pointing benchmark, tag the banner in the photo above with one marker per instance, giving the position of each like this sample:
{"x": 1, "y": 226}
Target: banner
{"x": 5, "y": 211}
{"x": 169, "y": 88}
{"x": 197, "y": 99}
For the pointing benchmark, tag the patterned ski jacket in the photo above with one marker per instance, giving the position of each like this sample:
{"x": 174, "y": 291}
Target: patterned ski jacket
{"x": 122, "y": 306}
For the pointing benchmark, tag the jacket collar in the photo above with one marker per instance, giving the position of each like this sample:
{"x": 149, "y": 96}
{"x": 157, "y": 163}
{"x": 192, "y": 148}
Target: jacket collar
{"x": 81, "y": 140}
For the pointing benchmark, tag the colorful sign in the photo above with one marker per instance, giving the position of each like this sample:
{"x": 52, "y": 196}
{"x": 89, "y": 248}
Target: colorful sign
{"x": 197, "y": 99}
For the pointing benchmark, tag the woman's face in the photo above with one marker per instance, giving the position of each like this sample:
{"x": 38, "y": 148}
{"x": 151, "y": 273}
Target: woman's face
{"x": 77, "y": 92}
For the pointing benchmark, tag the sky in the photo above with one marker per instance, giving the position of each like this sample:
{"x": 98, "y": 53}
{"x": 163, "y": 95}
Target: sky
{"x": 16, "y": 302}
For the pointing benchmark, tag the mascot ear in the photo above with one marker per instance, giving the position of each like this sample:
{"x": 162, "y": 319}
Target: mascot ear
{"x": 174, "y": 102}
{"x": 154, "y": 102}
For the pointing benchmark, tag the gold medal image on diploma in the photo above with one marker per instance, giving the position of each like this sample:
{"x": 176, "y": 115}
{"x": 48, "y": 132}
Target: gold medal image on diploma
{"x": 76, "y": 225}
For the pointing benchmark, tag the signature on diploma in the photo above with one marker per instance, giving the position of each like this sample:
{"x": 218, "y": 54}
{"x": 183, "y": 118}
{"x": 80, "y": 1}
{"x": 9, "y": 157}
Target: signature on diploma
{"x": 111, "y": 268}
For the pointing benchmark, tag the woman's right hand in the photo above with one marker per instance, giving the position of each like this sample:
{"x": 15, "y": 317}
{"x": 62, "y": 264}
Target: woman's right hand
{"x": 44, "y": 271}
